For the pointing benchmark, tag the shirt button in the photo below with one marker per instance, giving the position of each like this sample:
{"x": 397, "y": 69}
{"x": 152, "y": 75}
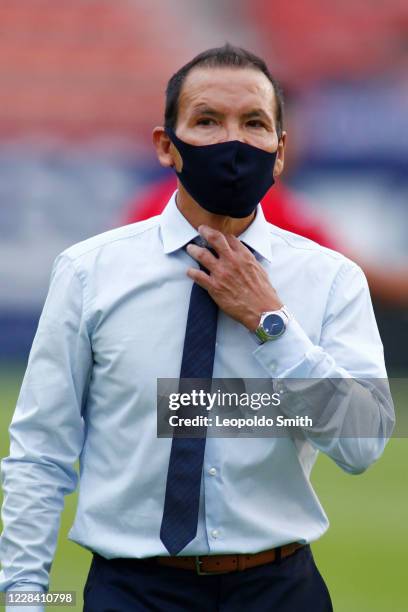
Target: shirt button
{"x": 215, "y": 533}
{"x": 273, "y": 366}
{"x": 212, "y": 471}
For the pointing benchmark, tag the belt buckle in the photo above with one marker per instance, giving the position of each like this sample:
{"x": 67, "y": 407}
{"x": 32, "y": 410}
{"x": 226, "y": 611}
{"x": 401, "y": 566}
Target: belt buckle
{"x": 200, "y": 572}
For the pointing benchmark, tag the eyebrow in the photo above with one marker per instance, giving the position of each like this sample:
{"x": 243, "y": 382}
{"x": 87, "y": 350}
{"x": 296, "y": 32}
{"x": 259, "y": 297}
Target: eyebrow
{"x": 257, "y": 112}
{"x": 202, "y": 109}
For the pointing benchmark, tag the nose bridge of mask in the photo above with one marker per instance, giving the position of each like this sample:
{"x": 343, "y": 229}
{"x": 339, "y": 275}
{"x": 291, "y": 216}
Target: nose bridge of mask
{"x": 229, "y": 156}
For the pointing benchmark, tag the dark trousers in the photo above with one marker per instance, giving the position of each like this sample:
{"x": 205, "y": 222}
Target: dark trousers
{"x": 129, "y": 585}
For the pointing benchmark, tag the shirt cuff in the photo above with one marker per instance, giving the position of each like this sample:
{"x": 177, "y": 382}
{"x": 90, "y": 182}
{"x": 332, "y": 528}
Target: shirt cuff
{"x": 25, "y": 586}
{"x": 292, "y": 354}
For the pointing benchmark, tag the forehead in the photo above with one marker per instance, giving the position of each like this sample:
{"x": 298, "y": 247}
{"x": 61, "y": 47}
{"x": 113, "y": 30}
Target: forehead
{"x": 228, "y": 89}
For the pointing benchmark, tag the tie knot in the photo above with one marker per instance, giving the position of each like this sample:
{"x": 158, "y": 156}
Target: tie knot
{"x": 202, "y": 242}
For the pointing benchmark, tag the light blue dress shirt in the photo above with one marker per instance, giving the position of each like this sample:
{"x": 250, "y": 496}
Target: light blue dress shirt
{"x": 113, "y": 322}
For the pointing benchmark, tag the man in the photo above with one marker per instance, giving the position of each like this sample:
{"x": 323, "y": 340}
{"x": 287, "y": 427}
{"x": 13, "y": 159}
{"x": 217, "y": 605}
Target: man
{"x": 200, "y": 523}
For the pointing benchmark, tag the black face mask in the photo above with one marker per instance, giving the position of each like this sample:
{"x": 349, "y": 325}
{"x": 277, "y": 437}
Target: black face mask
{"x": 228, "y": 178}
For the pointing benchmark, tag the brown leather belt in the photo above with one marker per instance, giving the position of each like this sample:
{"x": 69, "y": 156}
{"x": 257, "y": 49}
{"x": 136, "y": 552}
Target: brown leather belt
{"x": 221, "y": 564}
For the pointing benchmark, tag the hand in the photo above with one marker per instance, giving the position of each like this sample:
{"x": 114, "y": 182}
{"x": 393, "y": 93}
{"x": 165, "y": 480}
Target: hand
{"x": 236, "y": 281}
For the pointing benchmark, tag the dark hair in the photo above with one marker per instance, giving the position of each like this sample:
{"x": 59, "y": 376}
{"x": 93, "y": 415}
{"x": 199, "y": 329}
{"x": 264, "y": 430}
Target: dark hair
{"x": 228, "y": 55}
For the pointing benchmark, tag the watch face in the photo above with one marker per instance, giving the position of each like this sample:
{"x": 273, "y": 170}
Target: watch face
{"x": 273, "y": 325}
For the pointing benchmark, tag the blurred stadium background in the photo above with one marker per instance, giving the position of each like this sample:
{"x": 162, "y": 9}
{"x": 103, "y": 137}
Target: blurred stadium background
{"x": 81, "y": 86}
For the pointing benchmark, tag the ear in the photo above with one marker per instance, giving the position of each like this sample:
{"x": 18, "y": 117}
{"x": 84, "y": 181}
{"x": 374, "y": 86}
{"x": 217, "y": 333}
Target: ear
{"x": 280, "y": 157}
{"x": 166, "y": 152}
{"x": 162, "y": 145}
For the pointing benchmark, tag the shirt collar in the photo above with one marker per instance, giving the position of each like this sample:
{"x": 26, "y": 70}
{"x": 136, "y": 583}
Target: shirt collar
{"x": 257, "y": 235}
{"x": 176, "y": 231}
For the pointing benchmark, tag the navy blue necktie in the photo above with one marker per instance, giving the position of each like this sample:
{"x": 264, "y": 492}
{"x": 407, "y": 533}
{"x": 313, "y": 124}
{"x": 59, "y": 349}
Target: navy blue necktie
{"x": 180, "y": 514}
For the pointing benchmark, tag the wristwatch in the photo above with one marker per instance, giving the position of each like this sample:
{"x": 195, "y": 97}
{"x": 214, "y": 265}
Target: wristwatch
{"x": 272, "y": 324}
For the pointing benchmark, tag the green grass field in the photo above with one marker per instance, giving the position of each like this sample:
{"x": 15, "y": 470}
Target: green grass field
{"x": 363, "y": 556}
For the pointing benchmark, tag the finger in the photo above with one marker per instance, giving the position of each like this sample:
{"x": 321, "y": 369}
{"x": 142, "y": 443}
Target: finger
{"x": 239, "y": 247}
{"x": 203, "y": 256}
{"x": 200, "y": 277}
{"x": 234, "y": 243}
{"x": 215, "y": 239}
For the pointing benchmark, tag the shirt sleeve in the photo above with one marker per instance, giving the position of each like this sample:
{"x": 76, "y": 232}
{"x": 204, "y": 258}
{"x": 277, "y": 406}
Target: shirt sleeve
{"x": 343, "y": 385}
{"x": 46, "y": 434}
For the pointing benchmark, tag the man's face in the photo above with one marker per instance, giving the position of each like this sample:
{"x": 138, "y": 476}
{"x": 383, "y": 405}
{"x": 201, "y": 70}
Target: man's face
{"x": 223, "y": 104}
